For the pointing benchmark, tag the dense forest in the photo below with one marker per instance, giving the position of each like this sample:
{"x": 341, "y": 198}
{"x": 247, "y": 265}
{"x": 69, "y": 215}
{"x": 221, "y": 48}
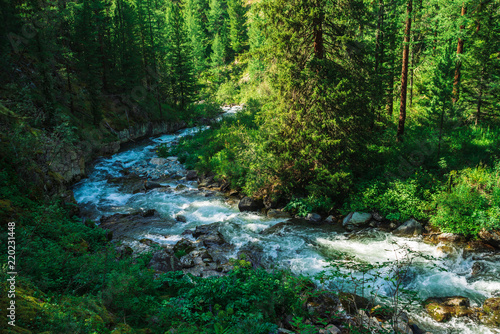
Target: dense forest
{"x": 349, "y": 105}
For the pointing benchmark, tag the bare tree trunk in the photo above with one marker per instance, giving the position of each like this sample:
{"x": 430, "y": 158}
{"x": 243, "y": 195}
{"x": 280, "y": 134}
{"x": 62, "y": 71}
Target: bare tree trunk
{"x": 460, "y": 50}
{"x": 404, "y": 73}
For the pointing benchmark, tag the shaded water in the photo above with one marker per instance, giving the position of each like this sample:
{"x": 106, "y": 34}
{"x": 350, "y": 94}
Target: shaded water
{"x": 303, "y": 249}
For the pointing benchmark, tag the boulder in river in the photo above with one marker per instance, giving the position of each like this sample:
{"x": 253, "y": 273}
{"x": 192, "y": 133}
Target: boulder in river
{"x": 181, "y": 218}
{"x": 191, "y": 175}
{"x": 330, "y": 220}
{"x": 135, "y": 225}
{"x": 250, "y": 204}
{"x": 411, "y": 228}
{"x": 275, "y": 213}
{"x": 450, "y": 238}
{"x": 356, "y": 220}
{"x": 150, "y": 185}
{"x": 444, "y": 308}
{"x": 313, "y": 217}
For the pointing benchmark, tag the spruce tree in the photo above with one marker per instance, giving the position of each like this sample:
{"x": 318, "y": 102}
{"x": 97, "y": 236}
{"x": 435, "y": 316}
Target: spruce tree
{"x": 182, "y": 83}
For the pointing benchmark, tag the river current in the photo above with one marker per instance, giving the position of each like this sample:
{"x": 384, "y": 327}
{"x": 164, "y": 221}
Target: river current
{"x": 306, "y": 250}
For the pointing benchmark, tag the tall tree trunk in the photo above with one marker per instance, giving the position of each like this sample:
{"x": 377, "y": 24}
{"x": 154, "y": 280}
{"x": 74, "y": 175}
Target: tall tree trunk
{"x": 460, "y": 50}
{"x": 404, "y": 73}
{"x": 379, "y": 50}
{"x": 389, "y": 107}
{"x": 319, "y": 49}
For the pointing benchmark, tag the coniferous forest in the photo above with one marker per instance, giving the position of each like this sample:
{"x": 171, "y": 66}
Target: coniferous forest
{"x": 357, "y": 121}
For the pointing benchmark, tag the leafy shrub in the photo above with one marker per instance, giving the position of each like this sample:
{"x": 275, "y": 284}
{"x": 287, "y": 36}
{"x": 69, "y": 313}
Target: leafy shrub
{"x": 397, "y": 200}
{"x": 303, "y": 206}
{"x": 244, "y": 301}
{"x": 469, "y": 202}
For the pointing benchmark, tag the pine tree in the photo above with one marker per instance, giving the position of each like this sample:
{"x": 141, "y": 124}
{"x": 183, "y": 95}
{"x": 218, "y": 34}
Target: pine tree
{"x": 197, "y": 39}
{"x": 182, "y": 83}
{"x": 237, "y": 25}
{"x": 218, "y": 25}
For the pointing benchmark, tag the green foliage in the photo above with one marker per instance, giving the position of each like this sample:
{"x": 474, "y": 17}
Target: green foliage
{"x": 303, "y": 206}
{"x": 244, "y": 301}
{"x": 469, "y": 201}
{"x": 227, "y": 93}
{"x": 396, "y": 200}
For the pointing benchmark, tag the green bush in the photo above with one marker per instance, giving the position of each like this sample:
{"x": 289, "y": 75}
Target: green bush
{"x": 469, "y": 202}
{"x": 303, "y": 206}
{"x": 244, "y": 301}
{"x": 396, "y": 200}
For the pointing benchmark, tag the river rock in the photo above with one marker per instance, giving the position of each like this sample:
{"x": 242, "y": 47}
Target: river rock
{"x": 191, "y": 175}
{"x": 275, "y": 213}
{"x": 164, "y": 261}
{"x": 442, "y": 309}
{"x": 250, "y": 204}
{"x": 181, "y": 218}
{"x": 184, "y": 246}
{"x": 450, "y": 238}
{"x": 150, "y": 185}
{"x": 491, "y": 237}
{"x": 330, "y": 219}
{"x": 313, "y": 217}
{"x": 253, "y": 253}
{"x": 172, "y": 159}
{"x": 356, "y": 220}
{"x": 158, "y": 161}
{"x": 491, "y": 315}
{"x": 410, "y": 228}
{"x": 277, "y": 229}
{"x": 135, "y": 225}
{"x": 206, "y": 229}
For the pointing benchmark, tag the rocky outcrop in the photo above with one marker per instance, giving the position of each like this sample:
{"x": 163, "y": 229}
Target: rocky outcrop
{"x": 491, "y": 237}
{"x": 133, "y": 226}
{"x": 410, "y": 228}
{"x": 67, "y": 161}
{"x": 443, "y": 309}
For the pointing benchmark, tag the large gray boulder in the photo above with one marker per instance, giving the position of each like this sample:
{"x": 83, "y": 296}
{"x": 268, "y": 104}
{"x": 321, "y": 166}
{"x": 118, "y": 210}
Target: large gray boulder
{"x": 250, "y": 204}
{"x": 356, "y": 220}
{"x": 313, "y": 217}
{"x": 410, "y": 228}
